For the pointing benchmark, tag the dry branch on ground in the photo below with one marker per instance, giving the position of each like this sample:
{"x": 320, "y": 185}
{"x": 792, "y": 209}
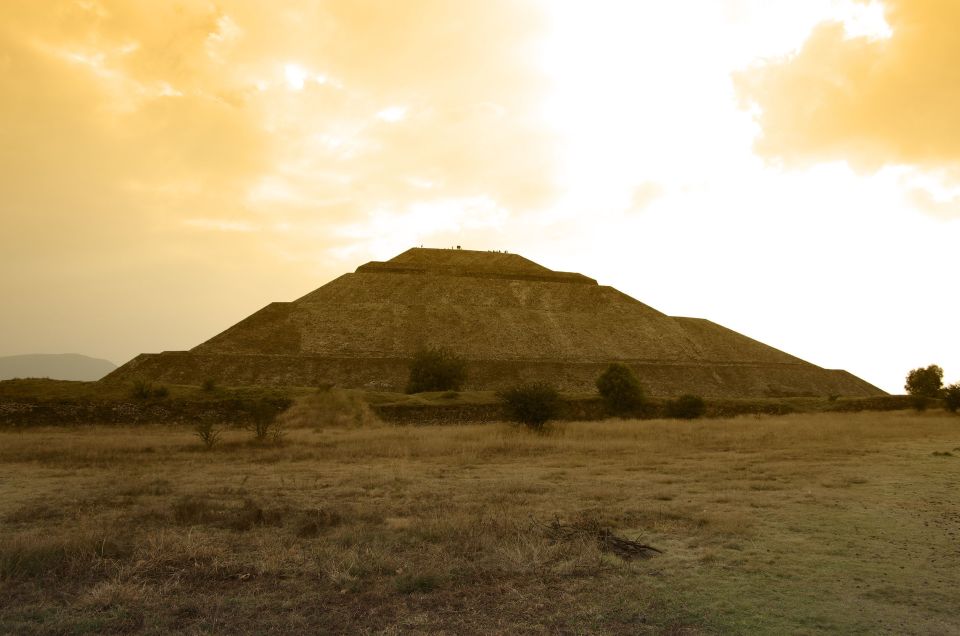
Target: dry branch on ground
{"x": 606, "y": 539}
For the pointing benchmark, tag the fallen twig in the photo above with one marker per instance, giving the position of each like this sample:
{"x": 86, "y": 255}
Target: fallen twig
{"x": 609, "y": 542}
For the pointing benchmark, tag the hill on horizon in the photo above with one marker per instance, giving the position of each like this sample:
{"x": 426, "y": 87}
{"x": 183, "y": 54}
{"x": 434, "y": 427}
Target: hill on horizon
{"x": 56, "y": 366}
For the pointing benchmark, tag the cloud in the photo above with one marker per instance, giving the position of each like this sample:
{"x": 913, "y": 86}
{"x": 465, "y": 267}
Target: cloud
{"x": 128, "y": 126}
{"x": 645, "y": 194}
{"x": 944, "y": 209}
{"x": 200, "y": 93}
{"x": 870, "y": 101}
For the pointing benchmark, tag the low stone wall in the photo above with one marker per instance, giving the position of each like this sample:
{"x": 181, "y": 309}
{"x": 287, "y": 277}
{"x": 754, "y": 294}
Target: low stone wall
{"x": 592, "y": 409}
{"x": 733, "y": 408}
{"x": 881, "y": 403}
{"x": 168, "y": 411}
{"x": 477, "y": 413}
{"x": 17, "y": 413}
{"x": 428, "y": 414}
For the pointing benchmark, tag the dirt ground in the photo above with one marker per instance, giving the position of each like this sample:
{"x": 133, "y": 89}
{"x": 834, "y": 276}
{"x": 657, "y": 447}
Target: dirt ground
{"x": 815, "y": 523}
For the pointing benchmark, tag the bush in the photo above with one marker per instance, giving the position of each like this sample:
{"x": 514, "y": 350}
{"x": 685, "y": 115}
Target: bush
{"x": 436, "y": 370}
{"x": 531, "y": 404}
{"x": 209, "y": 385}
{"x": 686, "y": 407}
{"x": 143, "y": 390}
{"x": 620, "y": 389}
{"x": 925, "y": 383}
{"x": 263, "y": 420}
{"x": 951, "y": 398}
{"x": 207, "y": 434}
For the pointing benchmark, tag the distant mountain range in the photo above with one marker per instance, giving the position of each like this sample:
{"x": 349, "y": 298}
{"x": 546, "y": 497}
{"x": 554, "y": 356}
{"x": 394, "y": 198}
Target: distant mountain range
{"x": 56, "y": 366}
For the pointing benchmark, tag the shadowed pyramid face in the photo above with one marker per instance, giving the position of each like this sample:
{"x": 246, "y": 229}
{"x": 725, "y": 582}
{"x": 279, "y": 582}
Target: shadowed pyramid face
{"x": 510, "y": 318}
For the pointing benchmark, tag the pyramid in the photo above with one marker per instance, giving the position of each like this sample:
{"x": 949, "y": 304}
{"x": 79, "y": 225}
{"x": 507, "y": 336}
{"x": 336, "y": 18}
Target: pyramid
{"x": 511, "y": 319}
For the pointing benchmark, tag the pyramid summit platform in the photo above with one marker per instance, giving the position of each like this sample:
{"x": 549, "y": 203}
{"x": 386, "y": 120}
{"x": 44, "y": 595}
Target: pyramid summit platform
{"x": 511, "y": 319}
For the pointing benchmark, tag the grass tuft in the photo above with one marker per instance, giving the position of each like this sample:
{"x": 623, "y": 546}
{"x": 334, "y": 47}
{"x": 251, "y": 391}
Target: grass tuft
{"x": 313, "y": 522}
{"x": 416, "y": 583}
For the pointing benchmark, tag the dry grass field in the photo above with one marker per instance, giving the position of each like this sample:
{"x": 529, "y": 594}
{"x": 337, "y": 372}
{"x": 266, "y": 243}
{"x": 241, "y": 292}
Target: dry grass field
{"x": 819, "y": 523}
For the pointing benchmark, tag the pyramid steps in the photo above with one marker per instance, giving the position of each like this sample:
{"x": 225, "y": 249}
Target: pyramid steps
{"x": 511, "y": 319}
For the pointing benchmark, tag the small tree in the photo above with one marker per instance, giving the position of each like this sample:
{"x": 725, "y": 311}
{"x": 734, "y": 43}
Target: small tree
{"x": 531, "y": 404}
{"x": 925, "y": 383}
{"x": 686, "y": 407}
{"x": 208, "y": 434}
{"x": 263, "y": 419}
{"x": 951, "y": 397}
{"x": 620, "y": 389}
{"x": 436, "y": 369}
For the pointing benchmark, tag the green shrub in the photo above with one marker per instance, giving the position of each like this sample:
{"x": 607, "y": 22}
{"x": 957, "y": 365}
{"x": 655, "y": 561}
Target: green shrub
{"x": 620, "y": 389}
{"x": 951, "y": 398}
{"x": 531, "y": 404}
{"x": 143, "y": 390}
{"x": 686, "y": 407}
{"x": 925, "y": 383}
{"x": 436, "y": 369}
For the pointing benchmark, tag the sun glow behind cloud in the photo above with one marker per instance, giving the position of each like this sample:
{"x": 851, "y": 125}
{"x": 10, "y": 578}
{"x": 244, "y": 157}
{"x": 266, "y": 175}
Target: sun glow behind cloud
{"x": 296, "y": 76}
{"x": 865, "y": 20}
{"x": 393, "y": 114}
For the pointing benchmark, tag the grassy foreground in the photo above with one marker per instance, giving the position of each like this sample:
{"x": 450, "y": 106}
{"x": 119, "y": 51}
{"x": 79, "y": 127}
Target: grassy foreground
{"x": 797, "y": 524}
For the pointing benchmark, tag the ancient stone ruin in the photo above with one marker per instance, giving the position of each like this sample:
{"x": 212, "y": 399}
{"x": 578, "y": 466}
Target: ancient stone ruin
{"x": 510, "y": 318}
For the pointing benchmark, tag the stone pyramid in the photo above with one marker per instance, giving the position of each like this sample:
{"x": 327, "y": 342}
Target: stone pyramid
{"x": 510, "y": 318}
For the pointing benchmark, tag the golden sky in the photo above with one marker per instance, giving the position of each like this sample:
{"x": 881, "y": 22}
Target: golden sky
{"x": 788, "y": 169}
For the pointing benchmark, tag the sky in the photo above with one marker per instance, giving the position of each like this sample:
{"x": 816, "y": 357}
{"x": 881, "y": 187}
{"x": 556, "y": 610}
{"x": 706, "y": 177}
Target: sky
{"x": 790, "y": 170}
